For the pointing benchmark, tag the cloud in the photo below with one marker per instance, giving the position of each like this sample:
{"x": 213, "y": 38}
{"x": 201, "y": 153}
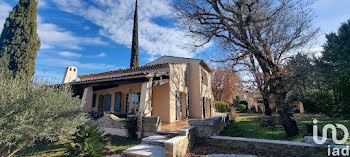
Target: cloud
{"x": 63, "y": 63}
{"x": 52, "y": 36}
{"x": 70, "y": 54}
{"x": 42, "y": 3}
{"x": 116, "y": 20}
{"x": 101, "y": 55}
{"x": 4, "y": 13}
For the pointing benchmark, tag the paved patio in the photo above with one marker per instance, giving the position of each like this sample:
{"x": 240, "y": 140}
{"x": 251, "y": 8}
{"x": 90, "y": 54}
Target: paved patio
{"x": 173, "y": 126}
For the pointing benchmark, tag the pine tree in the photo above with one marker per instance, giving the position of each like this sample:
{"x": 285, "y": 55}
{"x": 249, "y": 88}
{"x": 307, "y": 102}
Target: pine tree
{"x": 19, "y": 41}
{"x": 134, "y": 60}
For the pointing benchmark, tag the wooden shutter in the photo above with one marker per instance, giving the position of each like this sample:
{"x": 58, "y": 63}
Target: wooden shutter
{"x": 107, "y": 102}
{"x": 93, "y": 100}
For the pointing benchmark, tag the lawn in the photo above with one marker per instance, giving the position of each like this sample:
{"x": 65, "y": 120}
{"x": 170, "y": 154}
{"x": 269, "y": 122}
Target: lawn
{"x": 57, "y": 149}
{"x": 247, "y": 125}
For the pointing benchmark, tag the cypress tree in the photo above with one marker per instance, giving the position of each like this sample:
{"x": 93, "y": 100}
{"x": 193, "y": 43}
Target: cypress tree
{"x": 19, "y": 41}
{"x": 134, "y": 60}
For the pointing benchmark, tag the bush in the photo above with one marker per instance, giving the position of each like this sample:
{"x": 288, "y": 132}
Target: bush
{"x": 131, "y": 127}
{"x": 221, "y": 106}
{"x": 32, "y": 110}
{"x": 233, "y": 114}
{"x": 88, "y": 141}
{"x": 253, "y": 109}
{"x": 242, "y": 108}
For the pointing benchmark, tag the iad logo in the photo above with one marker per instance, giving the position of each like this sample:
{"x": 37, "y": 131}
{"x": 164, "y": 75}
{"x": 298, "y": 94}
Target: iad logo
{"x": 334, "y": 133}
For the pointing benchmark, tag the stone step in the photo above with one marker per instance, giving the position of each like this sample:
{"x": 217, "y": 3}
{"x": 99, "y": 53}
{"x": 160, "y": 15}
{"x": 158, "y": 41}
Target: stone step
{"x": 145, "y": 150}
{"x": 155, "y": 140}
{"x": 161, "y": 132}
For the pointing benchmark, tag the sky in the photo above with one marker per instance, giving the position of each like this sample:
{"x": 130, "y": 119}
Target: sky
{"x": 95, "y": 35}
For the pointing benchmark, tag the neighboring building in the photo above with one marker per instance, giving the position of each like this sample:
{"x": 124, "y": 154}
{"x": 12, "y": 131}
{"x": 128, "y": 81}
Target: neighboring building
{"x": 173, "y": 88}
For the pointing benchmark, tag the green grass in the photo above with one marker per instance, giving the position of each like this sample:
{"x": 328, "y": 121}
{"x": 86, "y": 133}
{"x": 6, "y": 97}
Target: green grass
{"x": 57, "y": 149}
{"x": 247, "y": 125}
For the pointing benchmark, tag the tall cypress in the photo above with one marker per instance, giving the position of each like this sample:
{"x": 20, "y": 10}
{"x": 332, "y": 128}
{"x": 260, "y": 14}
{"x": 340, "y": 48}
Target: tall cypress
{"x": 19, "y": 41}
{"x": 134, "y": 60}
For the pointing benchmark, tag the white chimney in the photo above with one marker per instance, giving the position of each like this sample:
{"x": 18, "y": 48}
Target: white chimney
{"x": 70, "y": 75}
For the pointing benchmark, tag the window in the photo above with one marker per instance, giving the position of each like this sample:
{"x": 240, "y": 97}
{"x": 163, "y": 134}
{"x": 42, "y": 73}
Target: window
{"x": 204, "y": 77}
{"x": 94, "y": 100}
{"x": 133, "y": 102}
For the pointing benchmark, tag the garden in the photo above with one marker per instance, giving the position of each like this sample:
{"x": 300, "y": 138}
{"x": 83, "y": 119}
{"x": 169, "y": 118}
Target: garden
{"x": 248, "y": 125}
{"x": 114, "y": 146}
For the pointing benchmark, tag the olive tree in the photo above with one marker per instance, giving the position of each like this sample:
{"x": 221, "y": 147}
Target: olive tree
{"x": 256, "y": 35}
{"x": 33, "y": 111}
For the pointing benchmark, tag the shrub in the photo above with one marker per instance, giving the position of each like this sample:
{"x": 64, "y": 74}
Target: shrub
{"x": 131, "y": 127}
{"x": 32, "y": 110}
{"x": 221, "y": 106}
{"x": 242, "y": 108}
{"x": 253, "y": 109}
{"x": 233, "y": 114}
{"x": 88, "y": 141}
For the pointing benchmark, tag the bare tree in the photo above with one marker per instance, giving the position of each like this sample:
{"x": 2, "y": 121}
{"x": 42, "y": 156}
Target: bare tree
{"x": 255, "y": 34}
{"x": 226, "y": 84}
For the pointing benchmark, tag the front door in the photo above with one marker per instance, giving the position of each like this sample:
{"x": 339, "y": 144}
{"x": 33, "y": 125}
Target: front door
{"x": 118, "y": 102}
{"x": 107, "y": 102}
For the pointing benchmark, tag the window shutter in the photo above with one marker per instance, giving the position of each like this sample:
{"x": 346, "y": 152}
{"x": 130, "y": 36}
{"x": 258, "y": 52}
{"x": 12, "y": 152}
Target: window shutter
{"x": 94, "y": 100}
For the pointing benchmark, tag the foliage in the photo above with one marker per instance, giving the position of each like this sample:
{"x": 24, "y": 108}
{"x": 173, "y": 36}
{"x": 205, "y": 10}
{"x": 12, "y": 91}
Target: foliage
{"x": 221, "y": 106}
{"x": 323, "y": 84}
{"x": 131, "y": 127}
{"x": 116, "y": 145}
{"x": 19, "y": 41}
{"x": 134, "y": 59}
{"x": 242, "y": 108}
{"x": 226, "y": 84}
{"x": 88, "y": 141}
{"x": 251, "y": 39}
{"x": 233, "y": 114}
{"x": 33, "y": 111}
{"x": 253, "y": 109}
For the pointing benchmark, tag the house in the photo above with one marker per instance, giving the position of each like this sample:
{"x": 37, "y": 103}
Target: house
{"x": 173, "y": 88}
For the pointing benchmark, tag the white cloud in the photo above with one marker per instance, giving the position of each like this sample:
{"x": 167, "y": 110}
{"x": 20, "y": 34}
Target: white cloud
{"x": 63, "y": 63}
{"x": 4, "y": 13}
{"x": 101, "y": 54}
{"x": 70, "y": 54}
{"x": 41, "y": 3}
{"x": 116, "y": 19}
{"x": 52, "y": 36}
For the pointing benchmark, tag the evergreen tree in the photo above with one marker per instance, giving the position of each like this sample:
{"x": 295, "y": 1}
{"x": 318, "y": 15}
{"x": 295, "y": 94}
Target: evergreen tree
{"x": 335, "y": 67}
{"x": 134, "y": 60}
{"x": 19, "y": 41}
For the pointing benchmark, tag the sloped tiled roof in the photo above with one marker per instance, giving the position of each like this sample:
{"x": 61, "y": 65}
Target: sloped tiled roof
{"x": 124, "y": 71}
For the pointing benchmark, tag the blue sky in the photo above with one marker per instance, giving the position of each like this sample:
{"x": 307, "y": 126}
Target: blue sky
{"x": 95, "y": 35}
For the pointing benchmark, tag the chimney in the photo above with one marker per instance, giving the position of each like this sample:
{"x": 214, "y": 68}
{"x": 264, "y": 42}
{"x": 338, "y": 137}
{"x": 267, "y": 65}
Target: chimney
{"x": 70, "y": 75}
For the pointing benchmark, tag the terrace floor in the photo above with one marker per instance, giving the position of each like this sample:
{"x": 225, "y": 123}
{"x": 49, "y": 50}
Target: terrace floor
{"x": 174, "y": 126}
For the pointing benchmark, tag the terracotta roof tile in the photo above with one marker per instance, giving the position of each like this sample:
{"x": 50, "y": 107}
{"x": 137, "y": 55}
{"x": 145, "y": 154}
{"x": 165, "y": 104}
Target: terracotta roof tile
{"x": 150, "y": 67}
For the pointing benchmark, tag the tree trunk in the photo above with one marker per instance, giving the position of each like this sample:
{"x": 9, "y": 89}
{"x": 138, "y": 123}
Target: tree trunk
{"x": 267, "y": 107}
{"x": 289, "y": 124}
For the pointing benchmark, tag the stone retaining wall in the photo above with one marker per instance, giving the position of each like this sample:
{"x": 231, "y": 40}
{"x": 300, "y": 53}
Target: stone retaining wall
{"x": 210, "y": 126}
{"x": 111, "y": 124}
{"x": 271, "y": 147}
{"x": 179, "y": 145}
{"x": 150, "y": 125}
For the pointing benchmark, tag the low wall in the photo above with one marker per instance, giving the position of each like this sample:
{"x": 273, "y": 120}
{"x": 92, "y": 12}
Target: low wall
{"x": 150, "y": 125}
{"x": 111, "y": 124}
{"x": 179, "y": 145}
{"x": 271, "y": 147}
{"x": 210, "y": 126}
